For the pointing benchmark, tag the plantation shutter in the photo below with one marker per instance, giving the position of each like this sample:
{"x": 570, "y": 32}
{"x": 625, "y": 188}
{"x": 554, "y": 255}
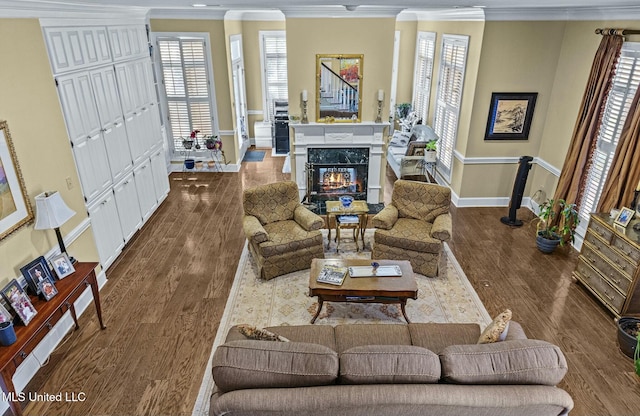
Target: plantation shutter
{"x": 275, "y": 70}
{"x": 453, "y": 62}
{"x": 624, "y": 86}
{"x": 186, "y": 83}
{"x": 425, "y": 50}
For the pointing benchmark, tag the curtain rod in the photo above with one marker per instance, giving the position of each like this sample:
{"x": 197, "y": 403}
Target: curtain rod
{"x": 620, "y": 32}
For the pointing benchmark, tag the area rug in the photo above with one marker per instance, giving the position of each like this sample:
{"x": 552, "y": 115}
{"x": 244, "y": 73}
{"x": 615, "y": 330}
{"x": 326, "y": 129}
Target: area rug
{"x": 448, "y": 298}
{"x": 253, "y": 156}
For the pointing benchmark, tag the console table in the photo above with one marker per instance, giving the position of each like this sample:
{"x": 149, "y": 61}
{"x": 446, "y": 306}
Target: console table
{"x": 49, "y": 313}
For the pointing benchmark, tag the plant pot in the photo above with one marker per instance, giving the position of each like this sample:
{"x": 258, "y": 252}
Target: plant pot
{"x": 211, "y": 164}
{"x": 189, "y": 163}
{"x": 7, "y": 333}
{"x": 199, "y": 164}
{"x": 626, "y": 341}
{"x": 210, "y": 146}
{"x": 430, "y": 156}
{"x": 547, "y": 245}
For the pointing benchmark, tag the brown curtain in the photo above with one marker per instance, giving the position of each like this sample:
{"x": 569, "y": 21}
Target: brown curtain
{"x": 624, "y": 174}
{"x": 585, "y": 133}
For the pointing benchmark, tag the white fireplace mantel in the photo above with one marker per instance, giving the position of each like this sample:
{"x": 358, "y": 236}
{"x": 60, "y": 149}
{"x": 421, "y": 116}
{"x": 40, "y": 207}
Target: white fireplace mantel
{"x": 349, "y": 135}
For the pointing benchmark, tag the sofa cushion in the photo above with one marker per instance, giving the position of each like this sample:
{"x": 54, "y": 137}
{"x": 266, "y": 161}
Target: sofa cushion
{"x": 288, "y": 236}
{"x": 389, "y": 364}
{"x": 437, "y": 336}
{"x": 510, "y": 362}
{"x": 410, "y": 234}
{"x": 249, "y": 364}
{"x": 496, "y": 330}
{"x": 349, "y": 336}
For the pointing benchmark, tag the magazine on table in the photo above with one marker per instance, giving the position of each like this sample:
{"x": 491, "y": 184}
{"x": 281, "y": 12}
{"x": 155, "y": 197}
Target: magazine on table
{"x": 333, "y": 275}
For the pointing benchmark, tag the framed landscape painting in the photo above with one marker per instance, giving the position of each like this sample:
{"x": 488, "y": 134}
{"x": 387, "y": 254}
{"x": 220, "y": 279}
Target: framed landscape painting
{"x": 15, "y": 209}
{"x": 510, "y": 115}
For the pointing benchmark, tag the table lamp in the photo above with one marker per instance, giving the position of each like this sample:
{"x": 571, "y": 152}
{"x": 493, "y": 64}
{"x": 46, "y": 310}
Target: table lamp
{"x": 52, "y": 213}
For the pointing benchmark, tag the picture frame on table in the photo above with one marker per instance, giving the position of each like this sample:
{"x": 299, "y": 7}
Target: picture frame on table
{"x": 624, "y": 216}
{"x": 62, "y": 266}
{"x": 47, "y": 288}
{"x": 15, "y": 296}
{"x": 416, "y": 148}
{"x": 510, "y": 115}
{"x": 35, "y": 272}
{"x": 15, "y": 210}
{"x": 5, "y": 315}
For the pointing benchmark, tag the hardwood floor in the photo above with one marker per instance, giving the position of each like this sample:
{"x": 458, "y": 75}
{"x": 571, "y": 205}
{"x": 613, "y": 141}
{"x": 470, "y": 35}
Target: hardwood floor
{"x": 167, "y": 291}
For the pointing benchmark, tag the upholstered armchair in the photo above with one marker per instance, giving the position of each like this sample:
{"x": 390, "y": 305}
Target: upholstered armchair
{"x": 414, "y": 226}
{"x": 283, "y": 235}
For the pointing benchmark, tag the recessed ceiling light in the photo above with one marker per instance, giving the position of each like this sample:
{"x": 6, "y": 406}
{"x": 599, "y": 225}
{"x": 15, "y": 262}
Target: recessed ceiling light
{"x": 198, "y": 5}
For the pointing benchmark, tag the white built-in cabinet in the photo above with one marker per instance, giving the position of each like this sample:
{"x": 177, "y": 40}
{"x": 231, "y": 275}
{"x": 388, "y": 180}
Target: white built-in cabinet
{"x": 106, "y": 89}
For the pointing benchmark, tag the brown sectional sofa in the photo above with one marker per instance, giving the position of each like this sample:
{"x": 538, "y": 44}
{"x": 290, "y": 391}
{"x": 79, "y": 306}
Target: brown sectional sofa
{"x": 394, "y": 369}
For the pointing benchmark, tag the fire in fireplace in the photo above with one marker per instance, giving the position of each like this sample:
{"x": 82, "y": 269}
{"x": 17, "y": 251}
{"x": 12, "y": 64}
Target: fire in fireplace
{"x": 333, "y": 172}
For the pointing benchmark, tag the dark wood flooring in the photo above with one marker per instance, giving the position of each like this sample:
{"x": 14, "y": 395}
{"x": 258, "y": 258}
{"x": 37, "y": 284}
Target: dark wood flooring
{"x": 167, "y": 291}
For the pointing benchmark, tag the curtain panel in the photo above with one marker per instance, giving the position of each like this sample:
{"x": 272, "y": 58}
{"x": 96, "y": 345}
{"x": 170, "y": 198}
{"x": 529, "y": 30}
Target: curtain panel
{"x": 585, "y": 133}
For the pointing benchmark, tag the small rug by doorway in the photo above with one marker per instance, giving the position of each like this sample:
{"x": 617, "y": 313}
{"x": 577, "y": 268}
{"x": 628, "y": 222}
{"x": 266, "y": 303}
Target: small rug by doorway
{"x": 253, "y": 156}
{"x": 284, "y": 300}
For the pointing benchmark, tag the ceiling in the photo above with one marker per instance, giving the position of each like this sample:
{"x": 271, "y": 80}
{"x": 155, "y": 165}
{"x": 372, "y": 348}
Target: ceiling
{"x": 534, "y": 8}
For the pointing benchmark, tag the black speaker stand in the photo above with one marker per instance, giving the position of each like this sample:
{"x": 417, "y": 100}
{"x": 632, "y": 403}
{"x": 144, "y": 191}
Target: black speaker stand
{"x": 512, "y": 222}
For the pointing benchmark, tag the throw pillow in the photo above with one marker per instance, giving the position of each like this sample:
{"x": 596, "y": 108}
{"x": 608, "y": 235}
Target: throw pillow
{"x": 493, "y": 332}
{"x": 400, "y": 139}
{"x": 260, "y": 334}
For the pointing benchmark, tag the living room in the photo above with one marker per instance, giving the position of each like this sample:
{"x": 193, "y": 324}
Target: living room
{"x": 549, "y": 52}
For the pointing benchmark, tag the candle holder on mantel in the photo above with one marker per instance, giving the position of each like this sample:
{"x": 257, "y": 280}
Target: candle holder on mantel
{"x": 304, "y": 119}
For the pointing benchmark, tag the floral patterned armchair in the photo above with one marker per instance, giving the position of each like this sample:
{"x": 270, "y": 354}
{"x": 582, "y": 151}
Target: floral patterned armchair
{"x": 283, "y": 235}
{"x": 414, "y": 226}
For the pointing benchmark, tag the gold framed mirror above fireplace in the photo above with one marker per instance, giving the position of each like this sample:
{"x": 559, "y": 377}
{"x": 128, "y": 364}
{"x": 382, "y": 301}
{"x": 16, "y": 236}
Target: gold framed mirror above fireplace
{"x": 339, "y": 88}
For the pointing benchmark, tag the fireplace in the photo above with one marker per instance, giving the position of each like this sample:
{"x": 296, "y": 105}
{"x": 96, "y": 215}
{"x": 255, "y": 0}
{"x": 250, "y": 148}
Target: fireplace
{"x": 333, "y": 172}
{"x": 334, "y": 159}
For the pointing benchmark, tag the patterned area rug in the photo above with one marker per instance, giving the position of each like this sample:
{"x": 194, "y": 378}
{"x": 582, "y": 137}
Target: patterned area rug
{"x": 448, "y": 298}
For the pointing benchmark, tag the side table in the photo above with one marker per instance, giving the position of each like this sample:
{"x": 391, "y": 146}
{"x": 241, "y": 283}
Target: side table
{"x": 359, "y": 208}
{"x": 49, "y": 313}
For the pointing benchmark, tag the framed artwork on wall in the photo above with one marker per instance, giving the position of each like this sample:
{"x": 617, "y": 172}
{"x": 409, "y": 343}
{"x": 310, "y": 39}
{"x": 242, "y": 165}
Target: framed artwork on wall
{"x": 15, "y": 209}
{"x": 510, "y": 115}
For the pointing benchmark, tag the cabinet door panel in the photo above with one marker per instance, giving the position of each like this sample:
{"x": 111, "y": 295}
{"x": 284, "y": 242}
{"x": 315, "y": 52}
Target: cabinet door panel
{"x": 146, "y": 191}
{"x": 160, "y": 175}
{"x": 116, "y": 43}
{"x": 108, "y": 238}
{"x": 102, "y": 44}
{"x": 89, "y": 41}
{"x": 76, "y": 47}
{"x": 105, "y": 88}
{"x": 117, "y": 146}
{"x": 93, "y": 166}
{"x": 127, "y": 98}
{"x": 126, "y": 195}
{"x": 135, "y": 134}
{"x": 78, "y": 105}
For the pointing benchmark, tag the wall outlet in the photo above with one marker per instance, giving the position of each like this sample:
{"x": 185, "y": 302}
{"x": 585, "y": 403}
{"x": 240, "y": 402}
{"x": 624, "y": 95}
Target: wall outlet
{"x": 539, "y": 196}
{"x": 69, "y": 183}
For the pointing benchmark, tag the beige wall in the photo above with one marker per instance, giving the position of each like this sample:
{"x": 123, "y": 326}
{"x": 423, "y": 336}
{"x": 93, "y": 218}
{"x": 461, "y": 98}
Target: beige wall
{"x": 32, "y": 111}
{"x": 371, "y": 37}
{"x": 406, "y": 60}
{"x": 216, "y": 31}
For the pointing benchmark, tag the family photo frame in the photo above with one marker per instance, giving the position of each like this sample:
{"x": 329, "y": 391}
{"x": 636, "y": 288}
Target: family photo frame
{"x": 624, "y": 217}
{"x": 35, "y": 272}
{"x": 15, "y": 210}
{"x": 15, "y": 296}
{"x": 510, "y": 115}
{"x": 62, "y": 266}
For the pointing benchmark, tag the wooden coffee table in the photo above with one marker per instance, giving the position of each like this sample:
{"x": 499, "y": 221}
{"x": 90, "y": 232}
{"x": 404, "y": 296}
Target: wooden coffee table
{"x": 364, "y": 289}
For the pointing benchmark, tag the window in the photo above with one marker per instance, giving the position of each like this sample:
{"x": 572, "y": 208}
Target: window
{"x": 453, "y": 61}
{"x": 624, "y": 86}
{"x": 184, "y": 64}
{"x": 425, "y": 49}
{"x": 273, "y": 47}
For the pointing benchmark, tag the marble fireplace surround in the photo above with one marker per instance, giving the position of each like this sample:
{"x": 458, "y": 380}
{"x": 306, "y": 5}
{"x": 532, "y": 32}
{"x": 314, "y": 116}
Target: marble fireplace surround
{"x": 340, "y": 135}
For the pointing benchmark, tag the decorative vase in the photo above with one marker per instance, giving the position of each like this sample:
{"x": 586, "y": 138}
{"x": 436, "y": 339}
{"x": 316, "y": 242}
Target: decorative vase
{"x": 7, "y": 333}
{"x": 546, "y": 245}
{"x": 189, "y": 163}
{"x": 626, "y": 341}
{"x": 346, "y": 201}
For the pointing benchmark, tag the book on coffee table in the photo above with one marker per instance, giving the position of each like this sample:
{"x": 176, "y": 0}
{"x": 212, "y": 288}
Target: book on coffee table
{"x": 333, "y": 275}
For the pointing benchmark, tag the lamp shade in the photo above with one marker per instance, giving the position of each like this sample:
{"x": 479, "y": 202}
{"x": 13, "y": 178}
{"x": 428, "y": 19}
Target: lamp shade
{"x": 424, "y": 133}
{"x": 51, "y": 211}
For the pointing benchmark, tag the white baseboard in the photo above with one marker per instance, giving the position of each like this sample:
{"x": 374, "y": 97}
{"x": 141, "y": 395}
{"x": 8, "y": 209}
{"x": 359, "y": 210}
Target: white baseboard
{"x": 263, "y": 143}
{"x": 231, "y": 167}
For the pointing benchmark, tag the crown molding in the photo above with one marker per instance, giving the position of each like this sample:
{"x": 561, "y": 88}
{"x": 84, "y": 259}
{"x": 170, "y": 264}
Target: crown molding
{"x": 255, "y": 15}
{"x": 340, "y": 12}
{"x": 469, "y": 14}
{"x": 40, "y": 9}
{"x": 188, "y": 14}
{"x": 563, "y": 13}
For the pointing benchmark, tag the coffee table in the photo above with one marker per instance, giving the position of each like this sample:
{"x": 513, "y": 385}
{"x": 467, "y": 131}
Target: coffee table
{"x": 364, "y": 289}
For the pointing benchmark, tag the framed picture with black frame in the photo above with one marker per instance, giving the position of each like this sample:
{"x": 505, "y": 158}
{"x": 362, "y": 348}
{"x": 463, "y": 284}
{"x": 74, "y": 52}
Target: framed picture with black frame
{"x": 510, "y": 115}
{"x": 35, "y": 272}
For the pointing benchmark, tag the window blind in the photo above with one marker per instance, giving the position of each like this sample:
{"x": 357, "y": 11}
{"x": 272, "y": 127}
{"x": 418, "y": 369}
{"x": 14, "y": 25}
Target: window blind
{"x": 453, "y": 61}
{"x": 186, "y": 83}
{"x": 274, "y": 48}
{"x": 423, "y": 72}
{"x": 624, "y": 86}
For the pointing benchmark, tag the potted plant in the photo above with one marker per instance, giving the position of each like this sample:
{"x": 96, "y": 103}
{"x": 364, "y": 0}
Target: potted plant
{"x": 213, "y": 142}
{"x": 187, "y": 143}
{"x": 551, "y": 233}
{"x": 629, "y": 339}
{"x": 402, "y": 110}
{"x": 430, "y": 151}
